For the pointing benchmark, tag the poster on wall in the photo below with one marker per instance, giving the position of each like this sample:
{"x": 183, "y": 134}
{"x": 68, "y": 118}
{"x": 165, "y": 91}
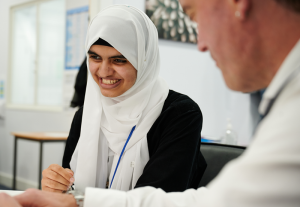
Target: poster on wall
{"x": 170, "y": 20}
{"x": 76, "y": 29}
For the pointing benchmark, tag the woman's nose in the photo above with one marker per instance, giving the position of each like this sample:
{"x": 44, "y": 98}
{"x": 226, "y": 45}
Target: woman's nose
{"x": 105, "y": 69}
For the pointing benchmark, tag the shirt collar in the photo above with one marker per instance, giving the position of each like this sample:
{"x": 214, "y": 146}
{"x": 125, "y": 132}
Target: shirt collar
{"x": 288, "y": 67}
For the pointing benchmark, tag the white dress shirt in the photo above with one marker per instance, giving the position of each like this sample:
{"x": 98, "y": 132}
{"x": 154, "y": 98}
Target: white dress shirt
{"x": 267, "y": 173}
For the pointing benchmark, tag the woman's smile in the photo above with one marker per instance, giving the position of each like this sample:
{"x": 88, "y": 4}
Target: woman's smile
{"x": 109, "y": 83}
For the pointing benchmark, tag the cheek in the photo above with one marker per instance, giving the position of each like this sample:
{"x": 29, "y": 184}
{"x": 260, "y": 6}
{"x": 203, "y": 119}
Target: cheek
{"x": 129, "y": 74}
{"x": 132, "y": 77}
{"x": 93, "y": 68}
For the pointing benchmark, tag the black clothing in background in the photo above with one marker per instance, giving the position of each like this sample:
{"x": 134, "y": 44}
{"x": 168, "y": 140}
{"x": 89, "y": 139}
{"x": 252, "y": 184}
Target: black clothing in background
{"x": 80, "y": 86}
{"x": 176, "y": 162}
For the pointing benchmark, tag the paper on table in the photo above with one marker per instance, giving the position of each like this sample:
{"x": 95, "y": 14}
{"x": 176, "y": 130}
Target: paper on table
{"x": 11, "y": 192}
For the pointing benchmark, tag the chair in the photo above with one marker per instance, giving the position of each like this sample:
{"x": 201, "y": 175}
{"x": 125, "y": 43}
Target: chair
{"x": 216, "y": 156}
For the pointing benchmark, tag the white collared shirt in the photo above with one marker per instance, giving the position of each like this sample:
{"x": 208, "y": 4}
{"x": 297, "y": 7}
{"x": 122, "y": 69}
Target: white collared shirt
{"x": 267, "y": 173}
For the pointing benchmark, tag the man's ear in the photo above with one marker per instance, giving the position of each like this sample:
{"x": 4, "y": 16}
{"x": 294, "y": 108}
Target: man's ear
{"x": 242, "y": 8}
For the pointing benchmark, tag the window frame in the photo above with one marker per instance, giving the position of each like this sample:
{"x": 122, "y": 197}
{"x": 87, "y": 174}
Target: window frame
{"x": 35, "y": 106}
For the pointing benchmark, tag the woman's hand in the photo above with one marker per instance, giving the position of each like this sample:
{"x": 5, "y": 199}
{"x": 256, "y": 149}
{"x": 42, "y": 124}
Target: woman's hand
{"x": 57, "y": 179}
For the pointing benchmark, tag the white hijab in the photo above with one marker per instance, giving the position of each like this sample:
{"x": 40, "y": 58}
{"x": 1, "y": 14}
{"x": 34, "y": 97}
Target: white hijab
{"x": 133, "y": 34}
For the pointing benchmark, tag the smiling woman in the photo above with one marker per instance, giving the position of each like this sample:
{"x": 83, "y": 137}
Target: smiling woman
{"x": 110, "y": 69}
{"x": 132, "y": 130}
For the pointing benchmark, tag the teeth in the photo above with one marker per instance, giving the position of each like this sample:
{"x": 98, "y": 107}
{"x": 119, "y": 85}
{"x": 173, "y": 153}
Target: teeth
{"x": 107, "y": 81}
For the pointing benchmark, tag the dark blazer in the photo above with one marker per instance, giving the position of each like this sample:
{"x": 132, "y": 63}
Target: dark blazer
{"x": 175, "y": 163}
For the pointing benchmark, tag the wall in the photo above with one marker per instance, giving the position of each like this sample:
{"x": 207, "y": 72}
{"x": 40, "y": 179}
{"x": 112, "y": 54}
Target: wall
{"x": 26, "y": 120}
{"x": 188, "y": 71}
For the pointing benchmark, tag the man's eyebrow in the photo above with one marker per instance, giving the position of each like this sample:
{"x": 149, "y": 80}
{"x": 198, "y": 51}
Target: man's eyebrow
{"x": 118, "y": 56}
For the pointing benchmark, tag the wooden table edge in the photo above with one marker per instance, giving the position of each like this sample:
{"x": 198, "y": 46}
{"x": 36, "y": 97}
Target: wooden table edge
{"x": 41, "y": 136}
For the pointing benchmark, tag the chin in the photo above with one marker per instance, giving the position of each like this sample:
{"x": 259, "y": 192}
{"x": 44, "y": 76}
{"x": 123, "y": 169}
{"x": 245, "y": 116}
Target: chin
{"x": 234, "y": 85}
{"x": 235, "y": 82}
{"x": 109, "y": 95}
{"x": 241, "y": 87}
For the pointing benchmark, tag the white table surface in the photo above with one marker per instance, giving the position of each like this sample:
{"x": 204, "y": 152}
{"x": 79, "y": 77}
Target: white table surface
{"x": 11, "y": 192}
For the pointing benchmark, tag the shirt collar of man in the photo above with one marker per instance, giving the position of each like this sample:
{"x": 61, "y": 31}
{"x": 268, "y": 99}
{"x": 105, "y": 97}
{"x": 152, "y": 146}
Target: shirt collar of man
{"x": 288, "y": 69}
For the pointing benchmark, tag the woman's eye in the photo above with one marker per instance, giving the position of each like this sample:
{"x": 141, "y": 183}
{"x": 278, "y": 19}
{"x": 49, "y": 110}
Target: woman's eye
{"x": 120, "y": 60}
{"x": 95, "y": 57}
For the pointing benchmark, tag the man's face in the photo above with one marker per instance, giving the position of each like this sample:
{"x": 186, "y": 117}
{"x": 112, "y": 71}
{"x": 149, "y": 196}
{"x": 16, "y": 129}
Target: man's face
{"x": 228, "y": 39}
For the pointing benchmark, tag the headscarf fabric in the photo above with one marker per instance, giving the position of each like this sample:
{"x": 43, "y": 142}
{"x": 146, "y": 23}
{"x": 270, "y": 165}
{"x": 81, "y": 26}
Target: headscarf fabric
{"x": 107, "y": 122}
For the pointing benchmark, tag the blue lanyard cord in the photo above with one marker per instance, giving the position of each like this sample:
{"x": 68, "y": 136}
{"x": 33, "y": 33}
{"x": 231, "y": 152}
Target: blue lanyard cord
{"x": 133, "y": 128}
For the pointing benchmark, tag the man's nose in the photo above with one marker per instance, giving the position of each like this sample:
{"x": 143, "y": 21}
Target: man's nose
{"x": 202, "y": 46}
{"x": 200, "y": 41}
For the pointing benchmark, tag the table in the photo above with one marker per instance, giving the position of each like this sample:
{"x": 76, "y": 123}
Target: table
{"x": 40, "y": 137}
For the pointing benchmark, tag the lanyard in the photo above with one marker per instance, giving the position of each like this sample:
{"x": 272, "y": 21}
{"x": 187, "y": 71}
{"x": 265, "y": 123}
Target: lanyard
{"x": 133, "y": 128}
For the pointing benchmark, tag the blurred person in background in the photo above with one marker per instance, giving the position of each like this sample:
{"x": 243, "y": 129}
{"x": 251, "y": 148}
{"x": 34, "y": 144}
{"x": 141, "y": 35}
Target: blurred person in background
{"x": 80, "y": 86}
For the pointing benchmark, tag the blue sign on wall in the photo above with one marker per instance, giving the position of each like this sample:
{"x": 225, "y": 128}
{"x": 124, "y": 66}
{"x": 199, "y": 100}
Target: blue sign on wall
{"x": 76, "y": 29}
